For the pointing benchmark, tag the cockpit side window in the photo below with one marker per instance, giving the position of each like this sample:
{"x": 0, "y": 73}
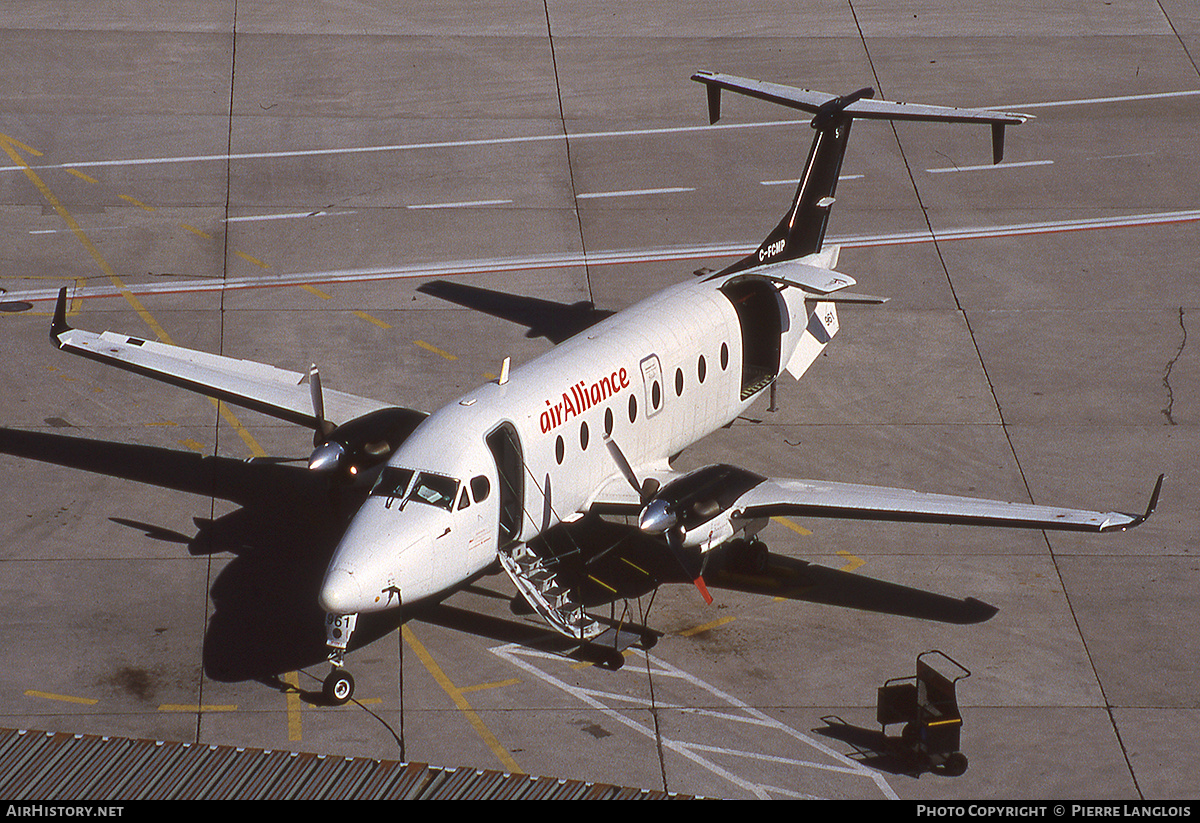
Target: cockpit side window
{"x": 464, "y": 500}
{"x": 480, "y": 488}
{"x": 435, "y": 490}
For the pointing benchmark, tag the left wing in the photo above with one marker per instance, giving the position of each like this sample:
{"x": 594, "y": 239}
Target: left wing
{"x": 256, "y": 386}
{"x": 818, "y": 498}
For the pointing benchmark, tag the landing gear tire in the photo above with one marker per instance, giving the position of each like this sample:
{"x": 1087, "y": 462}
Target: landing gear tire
{"x": 955, "y": 765}
{"x": 338, "y": 687}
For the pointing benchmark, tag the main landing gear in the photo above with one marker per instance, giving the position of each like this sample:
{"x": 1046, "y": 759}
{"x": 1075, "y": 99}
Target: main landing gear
{"x": 338, "y": 687}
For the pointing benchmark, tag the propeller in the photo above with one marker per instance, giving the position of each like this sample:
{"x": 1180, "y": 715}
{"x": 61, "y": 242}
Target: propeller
{"x": 344, "y": 450}
{"x": 328, "y": 454}
{"x": 658, "y": 517}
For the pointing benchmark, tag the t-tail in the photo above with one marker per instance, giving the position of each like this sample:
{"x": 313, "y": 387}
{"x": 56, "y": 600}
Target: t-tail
{"x": 801, "y": 232}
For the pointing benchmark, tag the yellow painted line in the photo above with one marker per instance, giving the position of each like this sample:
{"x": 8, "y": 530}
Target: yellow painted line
{"x": 783, "y": 521}
{"x": 8, "y": 143}
{"x": 64, "y": 698}
{"x": 82, "y": 176}
{"x": 362, "y": 315}
{"x": 194, "y": 445}
{"x": 194, "y": 707}
{"x": 599, "y": 582}
{"x": 196, "y": 231}
{"x": 247, "y": 438}
{"x": 136, "y": 202}
{"x": 162, "y": 423}
{"x": 499, "y": 684}
{"x": 293, "y": 705}
{"x": 951, "y": 722}
{"x": 629, "y": 562}
{"x": 253, "y": 260}
{"x": 456, "y": 694}
{"x": 706, "y": 627}
{"x": 854, "y": 563}
{"x": 434, "y": 349}
{"x": 316, "y": 291}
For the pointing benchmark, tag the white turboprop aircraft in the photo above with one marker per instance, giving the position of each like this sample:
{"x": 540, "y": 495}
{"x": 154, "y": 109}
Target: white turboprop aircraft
{"x": 590, "y": 426}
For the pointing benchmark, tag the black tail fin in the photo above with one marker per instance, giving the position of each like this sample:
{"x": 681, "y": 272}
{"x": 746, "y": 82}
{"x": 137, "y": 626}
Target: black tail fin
{"x": 802, "y": 230}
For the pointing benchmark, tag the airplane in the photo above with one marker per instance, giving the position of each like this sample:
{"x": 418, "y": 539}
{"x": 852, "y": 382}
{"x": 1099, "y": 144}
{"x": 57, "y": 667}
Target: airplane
{"x": 590, "y": 426}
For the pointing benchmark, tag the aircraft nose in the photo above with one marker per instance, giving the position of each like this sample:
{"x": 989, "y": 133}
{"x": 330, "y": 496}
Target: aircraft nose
{"x": 341, "y": 593}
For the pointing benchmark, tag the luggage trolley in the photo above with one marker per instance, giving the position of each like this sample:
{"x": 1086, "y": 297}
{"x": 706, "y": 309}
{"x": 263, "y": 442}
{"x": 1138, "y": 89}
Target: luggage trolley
{"x": 928, "y": 706}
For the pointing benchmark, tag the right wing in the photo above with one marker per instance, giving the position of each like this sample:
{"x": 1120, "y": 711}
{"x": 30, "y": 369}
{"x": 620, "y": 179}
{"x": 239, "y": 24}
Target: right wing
{"x": 818, "y": 498}
{"x": 256, "y": 386}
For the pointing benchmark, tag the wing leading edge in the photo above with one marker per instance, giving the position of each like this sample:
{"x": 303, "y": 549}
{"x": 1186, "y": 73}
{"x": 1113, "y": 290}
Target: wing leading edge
{"x": 814, "y": 498}
{"x": 256, "y": 386}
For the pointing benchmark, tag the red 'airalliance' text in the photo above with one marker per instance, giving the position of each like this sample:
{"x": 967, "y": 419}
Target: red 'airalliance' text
{"x": 581, "y": 397}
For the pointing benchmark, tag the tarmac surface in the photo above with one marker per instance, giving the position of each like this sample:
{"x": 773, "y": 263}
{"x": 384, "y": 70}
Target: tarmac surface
{"x": 276, "y": 180}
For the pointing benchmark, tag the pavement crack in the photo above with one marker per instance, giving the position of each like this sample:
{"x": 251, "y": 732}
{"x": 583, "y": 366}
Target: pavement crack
{"x": 1166, "y": 379}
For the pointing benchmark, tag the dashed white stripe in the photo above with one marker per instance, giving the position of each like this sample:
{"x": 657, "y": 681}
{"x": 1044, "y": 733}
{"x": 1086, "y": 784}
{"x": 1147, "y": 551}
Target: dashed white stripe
{"x": 466, "y": 204}
{"x": 992, "y": 166}
{"x": 632, "y": 193}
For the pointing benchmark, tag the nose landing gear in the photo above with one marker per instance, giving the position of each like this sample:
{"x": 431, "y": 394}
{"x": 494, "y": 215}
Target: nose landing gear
{"x": 338, "y": 687}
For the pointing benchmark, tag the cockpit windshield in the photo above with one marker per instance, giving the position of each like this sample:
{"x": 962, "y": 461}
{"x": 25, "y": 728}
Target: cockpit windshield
{"x": 431, "y": 489}
{"x": 435, "y": 489}
{"x": 392, "y": 482}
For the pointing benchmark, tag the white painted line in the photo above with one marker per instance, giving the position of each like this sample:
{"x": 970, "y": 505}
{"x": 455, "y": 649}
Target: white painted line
{"x": 794, "y": 181}
{"x": 444, "y": 144}
{"x": 992, "y": 167}
{"x": 208, "y": 158}
{"x": 1087, "y": 101}
{"x": 287, "y": 216}
{"x": 603, "y": 258}
{"x": 630, "y": 193}
{"x": 463, "y": 205}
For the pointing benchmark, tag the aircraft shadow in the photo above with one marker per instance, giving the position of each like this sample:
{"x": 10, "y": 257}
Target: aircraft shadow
{"x": 544, "y": 318}
{"x": 610, "y": 560}
{"x": 265, "y": 618}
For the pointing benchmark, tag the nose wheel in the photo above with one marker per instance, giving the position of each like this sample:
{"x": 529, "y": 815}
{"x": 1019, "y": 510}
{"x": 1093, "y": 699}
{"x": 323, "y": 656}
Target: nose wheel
{"x": 338, "y": 687}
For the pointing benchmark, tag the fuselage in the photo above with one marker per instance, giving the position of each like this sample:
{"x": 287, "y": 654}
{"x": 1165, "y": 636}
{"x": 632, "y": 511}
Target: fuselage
{"x": 509, "y": 460}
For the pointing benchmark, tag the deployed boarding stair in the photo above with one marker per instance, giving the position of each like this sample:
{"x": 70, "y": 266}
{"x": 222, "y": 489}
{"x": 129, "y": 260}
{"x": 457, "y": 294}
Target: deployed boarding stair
{"x": 539, "y": 581}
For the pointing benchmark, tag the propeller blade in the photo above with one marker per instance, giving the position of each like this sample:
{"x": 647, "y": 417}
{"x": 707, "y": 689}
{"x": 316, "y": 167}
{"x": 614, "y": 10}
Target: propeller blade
{"x": 323, "y": 427}
{"x": 646, "y": 489}
{"x": 675, "y": 545}
{"x": 622, "y": 464}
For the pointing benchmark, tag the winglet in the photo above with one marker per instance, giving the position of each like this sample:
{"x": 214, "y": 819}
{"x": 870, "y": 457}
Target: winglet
{"x": 59, "y": 324}
{"x": 1138, "y": 519}
{"x": 1151, "y": 507}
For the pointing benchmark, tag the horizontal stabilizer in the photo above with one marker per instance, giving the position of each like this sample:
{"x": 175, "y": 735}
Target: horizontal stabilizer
{"x": 859, "y": 107}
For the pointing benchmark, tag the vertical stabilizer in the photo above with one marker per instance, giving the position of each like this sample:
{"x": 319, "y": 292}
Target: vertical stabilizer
{"x": 801, "y": 232}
